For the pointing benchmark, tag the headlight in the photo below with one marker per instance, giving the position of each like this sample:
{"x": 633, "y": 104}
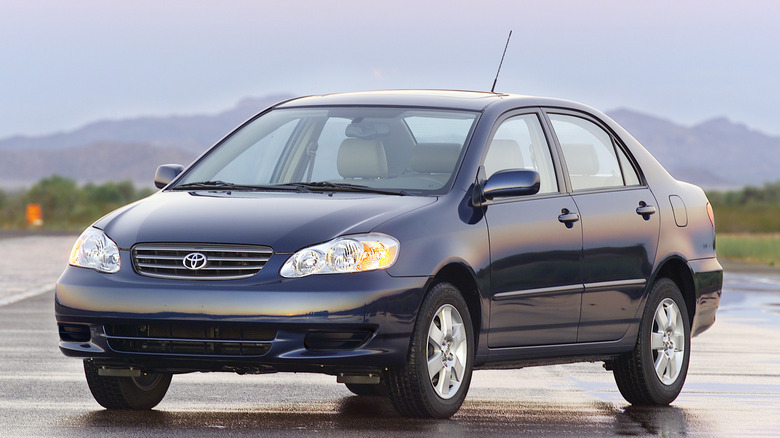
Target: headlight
{"x": 94, "y": 250}
{"x": 361, "y": 252}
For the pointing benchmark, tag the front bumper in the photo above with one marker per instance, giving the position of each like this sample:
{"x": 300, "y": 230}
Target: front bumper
{"x": 350, "y": 323}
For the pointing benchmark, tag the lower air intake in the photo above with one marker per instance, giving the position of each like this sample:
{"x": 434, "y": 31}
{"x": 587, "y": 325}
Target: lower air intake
{"x": 189, "y": 340}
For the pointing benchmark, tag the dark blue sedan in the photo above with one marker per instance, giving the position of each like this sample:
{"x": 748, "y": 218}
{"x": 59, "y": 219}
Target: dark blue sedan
{"x": 399, "y": 240}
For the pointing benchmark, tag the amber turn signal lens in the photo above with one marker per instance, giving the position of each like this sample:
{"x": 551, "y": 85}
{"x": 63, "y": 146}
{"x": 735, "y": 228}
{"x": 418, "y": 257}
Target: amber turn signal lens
{"x": 711, "y": 214}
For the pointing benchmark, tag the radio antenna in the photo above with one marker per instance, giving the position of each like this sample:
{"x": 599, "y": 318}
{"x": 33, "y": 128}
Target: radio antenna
{"x": 493, "y": 90}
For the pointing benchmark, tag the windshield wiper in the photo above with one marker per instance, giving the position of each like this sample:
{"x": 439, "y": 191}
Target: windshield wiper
{"x": 222, "y": 185}
{"x": 205, "y": 185}
{"x": 346, "y": 187}
{"x": 296, "y": 186}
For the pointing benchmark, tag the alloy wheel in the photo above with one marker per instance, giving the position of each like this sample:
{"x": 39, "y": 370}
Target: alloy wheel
{"x": 447, "y": 351}
{"x": 667, "y": 341}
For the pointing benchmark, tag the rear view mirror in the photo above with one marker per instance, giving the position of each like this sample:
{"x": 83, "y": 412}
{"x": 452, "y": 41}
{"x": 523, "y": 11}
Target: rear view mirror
{"x": 166, "y": 173}
{"x": 511, "y": 182}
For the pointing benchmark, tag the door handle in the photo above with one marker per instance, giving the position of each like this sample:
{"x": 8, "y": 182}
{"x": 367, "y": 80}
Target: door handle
{"x": 568, "y": 218}
{"x": 645, "y": 210}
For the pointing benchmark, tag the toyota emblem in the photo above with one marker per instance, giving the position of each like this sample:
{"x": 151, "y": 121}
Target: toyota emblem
{"x": 195, "y": 261}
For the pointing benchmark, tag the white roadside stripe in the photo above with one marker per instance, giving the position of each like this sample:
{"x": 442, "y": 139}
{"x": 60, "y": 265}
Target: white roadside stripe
{"x": 24, "y": 295}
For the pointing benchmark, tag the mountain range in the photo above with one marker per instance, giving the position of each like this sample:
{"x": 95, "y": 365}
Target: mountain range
{"x": 716, "y": 154}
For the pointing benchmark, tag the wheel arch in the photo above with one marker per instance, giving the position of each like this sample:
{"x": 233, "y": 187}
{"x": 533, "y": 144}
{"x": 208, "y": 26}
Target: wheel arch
{"x": 676, "y": 269}
{"x": 463, "y": 278}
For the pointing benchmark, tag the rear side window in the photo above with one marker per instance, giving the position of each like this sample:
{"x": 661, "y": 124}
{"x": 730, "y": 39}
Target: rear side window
{"x": 593, "y": 160}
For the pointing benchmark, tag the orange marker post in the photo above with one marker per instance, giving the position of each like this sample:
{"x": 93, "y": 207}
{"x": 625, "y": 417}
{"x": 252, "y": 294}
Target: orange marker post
{"x": 34, "y": 215}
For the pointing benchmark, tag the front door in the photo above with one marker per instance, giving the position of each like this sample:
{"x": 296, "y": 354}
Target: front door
{"x": 535, "y": 245}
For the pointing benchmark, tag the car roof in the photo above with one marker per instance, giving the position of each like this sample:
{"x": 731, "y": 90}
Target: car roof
{"x": 454, "y": 99}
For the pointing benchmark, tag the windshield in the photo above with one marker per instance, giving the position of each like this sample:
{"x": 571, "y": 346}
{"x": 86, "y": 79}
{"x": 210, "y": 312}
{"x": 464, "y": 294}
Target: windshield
{"x": 409, "y": 150}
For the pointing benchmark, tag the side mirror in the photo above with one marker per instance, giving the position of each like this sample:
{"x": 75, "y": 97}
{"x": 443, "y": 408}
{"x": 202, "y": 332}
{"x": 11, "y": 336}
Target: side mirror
{"x": 511, "y": 182}
{"x": 166, "y": 173}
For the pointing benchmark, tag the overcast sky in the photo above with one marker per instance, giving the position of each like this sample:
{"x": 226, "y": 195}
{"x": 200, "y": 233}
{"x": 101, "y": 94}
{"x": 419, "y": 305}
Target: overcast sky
{"x": 66, "y": 63}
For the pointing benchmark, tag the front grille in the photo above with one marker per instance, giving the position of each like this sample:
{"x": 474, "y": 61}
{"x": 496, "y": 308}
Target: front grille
{"x": 206, "y": 261}
{"x": 189, "y": 340}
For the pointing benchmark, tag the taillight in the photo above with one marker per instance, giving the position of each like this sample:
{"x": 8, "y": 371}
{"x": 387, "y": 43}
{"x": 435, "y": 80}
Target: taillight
{"x": 711, "y": 214}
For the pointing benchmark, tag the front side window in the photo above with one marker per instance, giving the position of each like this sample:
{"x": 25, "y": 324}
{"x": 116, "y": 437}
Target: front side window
{"x": 519, "y": 143}
{"x": 404, "y": 149}
{"x": 593, "y": 160}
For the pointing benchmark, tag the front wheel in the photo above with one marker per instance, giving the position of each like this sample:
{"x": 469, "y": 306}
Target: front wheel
{"x": 654, "y": 372}
{"x": 136, "y": 393}
{"x": 436, "y": 377}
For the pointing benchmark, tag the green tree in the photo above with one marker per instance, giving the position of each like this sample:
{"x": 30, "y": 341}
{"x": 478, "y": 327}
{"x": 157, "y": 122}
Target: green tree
{"x": 58, "y": 197}
{"x": 747, "y": 210}
{"x": 104, "y": 194}
{"x": 127, "y": 192}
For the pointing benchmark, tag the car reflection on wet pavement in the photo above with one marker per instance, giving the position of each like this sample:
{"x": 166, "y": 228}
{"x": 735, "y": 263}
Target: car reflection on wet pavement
{"x": 733, "y": 387}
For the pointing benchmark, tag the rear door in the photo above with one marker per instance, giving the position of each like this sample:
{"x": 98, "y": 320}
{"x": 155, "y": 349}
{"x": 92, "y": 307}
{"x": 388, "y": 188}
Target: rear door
{"x": 620, "y": 224}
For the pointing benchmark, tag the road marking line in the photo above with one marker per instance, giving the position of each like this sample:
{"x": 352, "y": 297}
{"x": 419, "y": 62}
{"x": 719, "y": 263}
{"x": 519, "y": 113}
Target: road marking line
{"x": 24, "y": 295}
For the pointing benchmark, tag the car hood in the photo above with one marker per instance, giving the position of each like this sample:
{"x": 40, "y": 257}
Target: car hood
{"x": 284, "y": 221}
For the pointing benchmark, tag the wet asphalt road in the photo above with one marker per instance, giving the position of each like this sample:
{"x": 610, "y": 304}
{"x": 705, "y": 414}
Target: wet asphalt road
{"x": 733, "y": 385}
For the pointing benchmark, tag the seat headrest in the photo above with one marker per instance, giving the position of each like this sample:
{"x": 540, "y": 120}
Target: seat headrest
{"x": 503, "y": 154}
{"x": 435, "y": 157}
{"x": 362, "y": 158}
{"x": 581, "y": 159}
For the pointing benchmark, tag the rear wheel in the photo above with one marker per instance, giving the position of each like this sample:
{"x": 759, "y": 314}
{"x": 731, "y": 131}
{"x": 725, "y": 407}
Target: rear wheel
{"x": 436, "y": 377}
{"x": 137, "y": 393}
{"x": 654, "y": 372}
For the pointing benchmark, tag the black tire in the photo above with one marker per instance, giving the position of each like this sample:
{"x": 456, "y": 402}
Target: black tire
{"x": 134, "y": 393}
{"x": 367, "y": 389}
{"x": 635, "y": 372}
{"x": 411, "y": 387}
